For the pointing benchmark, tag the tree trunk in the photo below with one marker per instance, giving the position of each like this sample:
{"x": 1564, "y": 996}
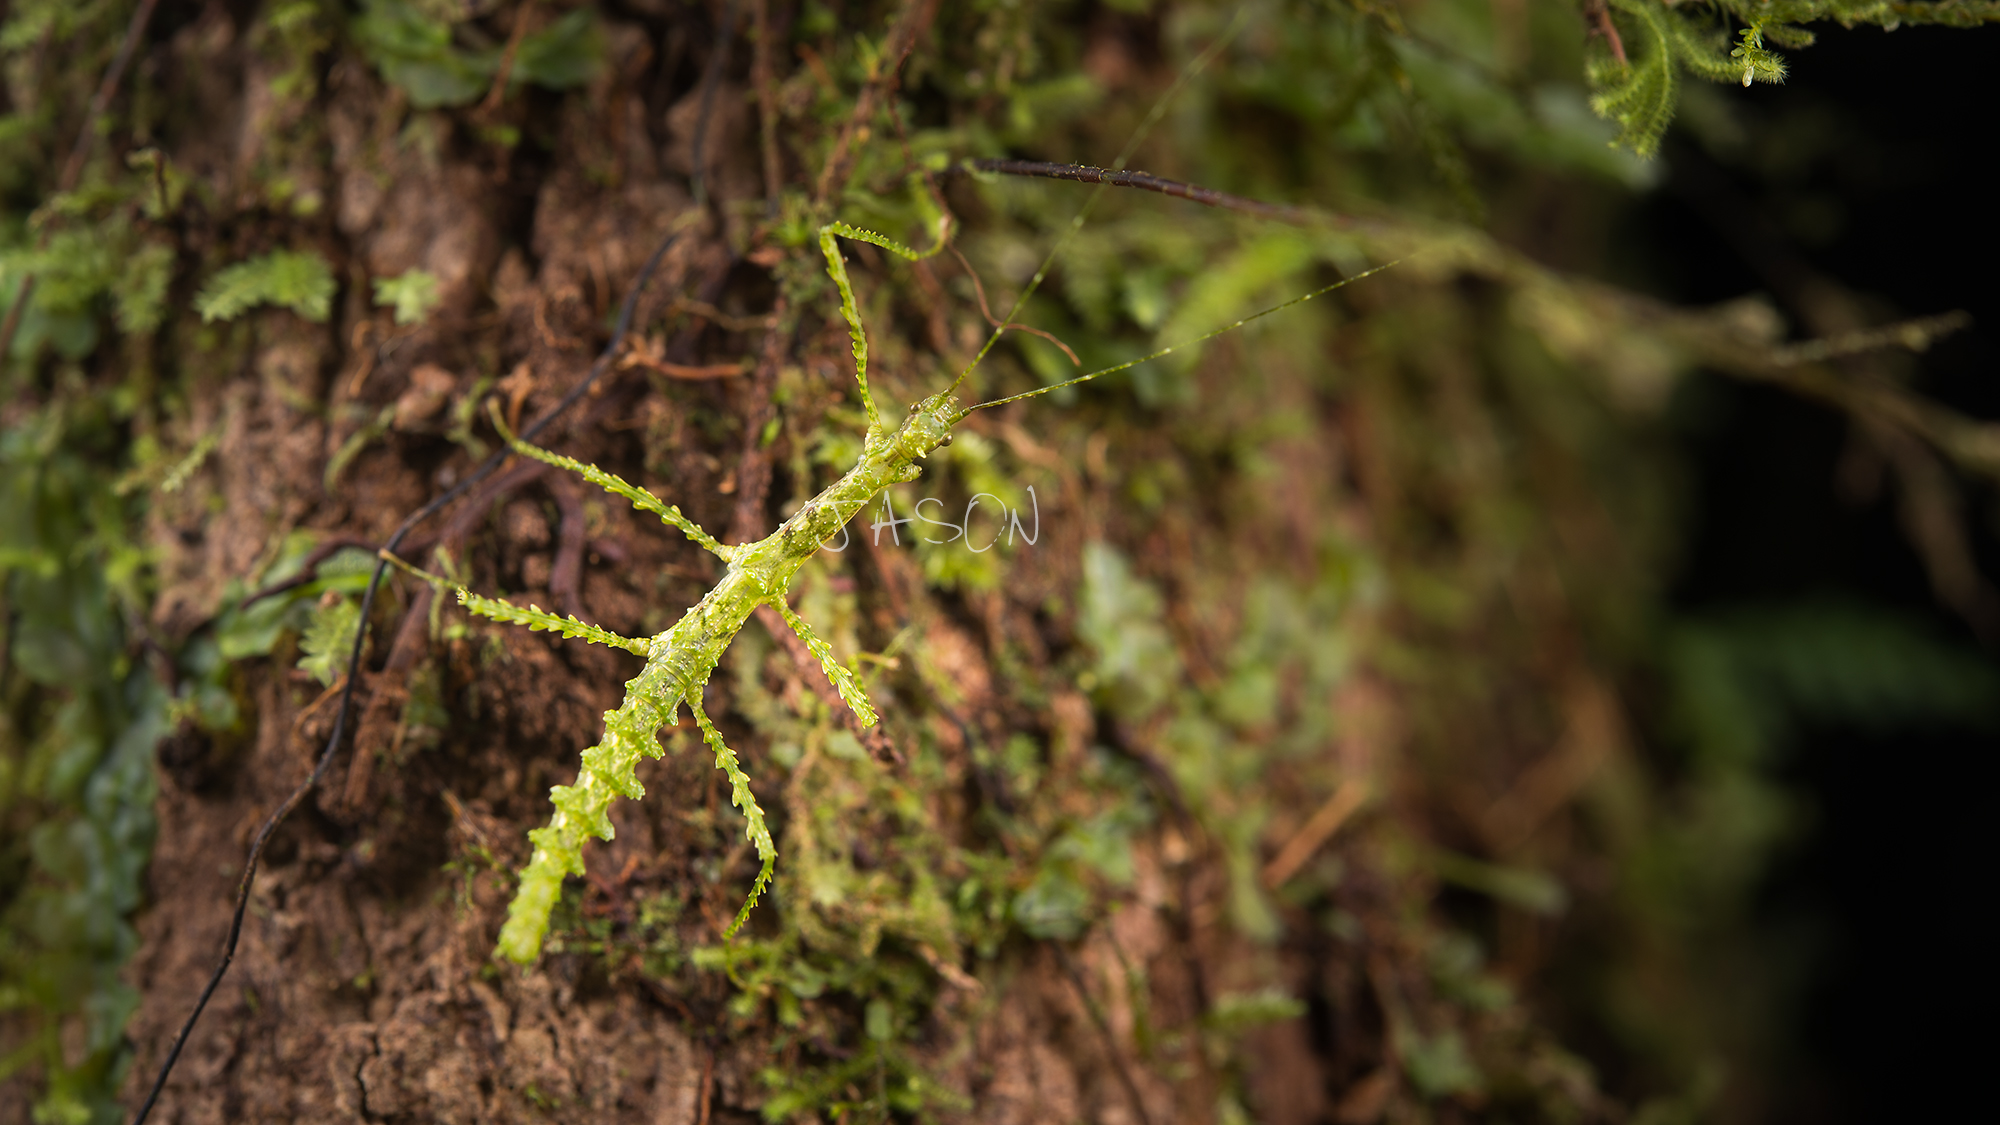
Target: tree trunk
{"x": 1264, "y": 765}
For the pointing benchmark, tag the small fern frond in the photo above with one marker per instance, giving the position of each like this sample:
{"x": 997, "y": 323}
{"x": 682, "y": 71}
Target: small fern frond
{"x": 413, "y": 294}
{"x": 539, "y": 620}
{"x": 298, "y": 280}
{"x": 843, "y": 680}
{"x": 139, "y": 293}
{"x": 1759, "y": 65}
{"x": 328, "y": 639}
{"x": 740, "y": 796}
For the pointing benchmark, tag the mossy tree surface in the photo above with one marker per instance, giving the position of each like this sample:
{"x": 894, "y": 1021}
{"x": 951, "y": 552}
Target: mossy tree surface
{"x": 1269, "y": 760}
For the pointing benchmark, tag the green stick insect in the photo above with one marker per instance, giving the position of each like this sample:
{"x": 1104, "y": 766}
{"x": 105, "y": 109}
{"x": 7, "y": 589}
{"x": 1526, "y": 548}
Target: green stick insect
{"x": 680, "y": 660}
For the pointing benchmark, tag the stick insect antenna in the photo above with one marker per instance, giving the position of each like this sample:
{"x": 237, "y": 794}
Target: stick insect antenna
{"x": 1153, "y": 116}
{"x": 1146, "y": 181}
{"x": 1172, "y": 348}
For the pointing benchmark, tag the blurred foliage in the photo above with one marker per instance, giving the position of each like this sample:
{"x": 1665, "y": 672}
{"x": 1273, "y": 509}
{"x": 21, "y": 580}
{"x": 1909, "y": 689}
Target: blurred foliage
{"x": 412, "y": 43}
{"x": 78, "y": 722}
{"x": 1488, "y": 556}
{"x": 412, "y": 294}
{"x": 299, "y": 281}
{"x": 1636, "y": 68}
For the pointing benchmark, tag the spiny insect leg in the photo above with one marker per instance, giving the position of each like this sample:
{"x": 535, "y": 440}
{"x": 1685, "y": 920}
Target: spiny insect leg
{"x": 617, "y": 486}
{"x": 533, "y": 616}
{"x": 843, "y": 681}
{"x": 537, "y": 619}
{"x": 836, "y": 268}
{"x": 740, "y": 796}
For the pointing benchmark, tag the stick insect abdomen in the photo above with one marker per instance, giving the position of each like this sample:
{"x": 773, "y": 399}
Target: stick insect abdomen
{"x": 581, "y": 809}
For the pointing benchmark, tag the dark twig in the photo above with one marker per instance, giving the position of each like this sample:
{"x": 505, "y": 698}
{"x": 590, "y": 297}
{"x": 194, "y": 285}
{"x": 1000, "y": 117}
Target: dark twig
{"x": 566, "y": 576}
{"x": 505, "y": 70}
{"x": 767, "y": 103}
{"x": 1129, "y": 742}
{"x": 710, "y": 79}
{"x": 404, "y": 650}
{"x": 72, "y": 169}
{"x": 1598, "y": 13}
{"x": 1103, "y": 1030}
{"x": 1146, "y": 181}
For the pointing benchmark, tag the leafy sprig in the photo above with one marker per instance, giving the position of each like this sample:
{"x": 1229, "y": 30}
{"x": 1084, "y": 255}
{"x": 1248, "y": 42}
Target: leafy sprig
{"x": 299, "y": 280}
{"x": 413, "y": 294}
{"x": 1648, "y": 43}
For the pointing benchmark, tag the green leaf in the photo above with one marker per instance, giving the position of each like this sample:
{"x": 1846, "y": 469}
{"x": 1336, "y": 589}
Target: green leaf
{"x": 1055, "y": 905}
{"x": 1536, "y": 892}
{"x": 1236, "y": 1012}
{"x": 561, "y": 55}
{"x": 413, "y": 49}
{"x": 1438, "y": 1067}
{"x": 413, "y": 294}
{"x": 414, "y": 52}
{"x": 298, "y": 280}
{"x": 1119, "y": 616}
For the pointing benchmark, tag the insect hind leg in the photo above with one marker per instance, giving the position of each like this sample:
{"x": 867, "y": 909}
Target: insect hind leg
{"x": 743, "y": 799}
{"x": 843, "y": 680}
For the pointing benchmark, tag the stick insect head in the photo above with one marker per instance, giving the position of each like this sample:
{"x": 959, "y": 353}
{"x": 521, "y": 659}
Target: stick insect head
{"x": 927, "y": 427}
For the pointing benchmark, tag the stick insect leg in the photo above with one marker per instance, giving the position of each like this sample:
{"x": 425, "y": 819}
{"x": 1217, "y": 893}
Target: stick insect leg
{"x": 534, "y": 617}
{"x": 836, "y": 268}
{"x": 843, "y": 680}
{"x": 617, "y": 486}
{"x": 740, "y": 796}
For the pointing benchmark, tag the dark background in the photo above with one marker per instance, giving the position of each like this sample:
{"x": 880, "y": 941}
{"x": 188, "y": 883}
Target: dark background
{"x": 1872, "y": 165}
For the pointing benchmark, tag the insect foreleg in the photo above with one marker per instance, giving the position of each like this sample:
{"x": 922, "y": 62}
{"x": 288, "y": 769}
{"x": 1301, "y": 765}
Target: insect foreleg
{"x": 616, "y": 485}
{"x": 836, "y": 268}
